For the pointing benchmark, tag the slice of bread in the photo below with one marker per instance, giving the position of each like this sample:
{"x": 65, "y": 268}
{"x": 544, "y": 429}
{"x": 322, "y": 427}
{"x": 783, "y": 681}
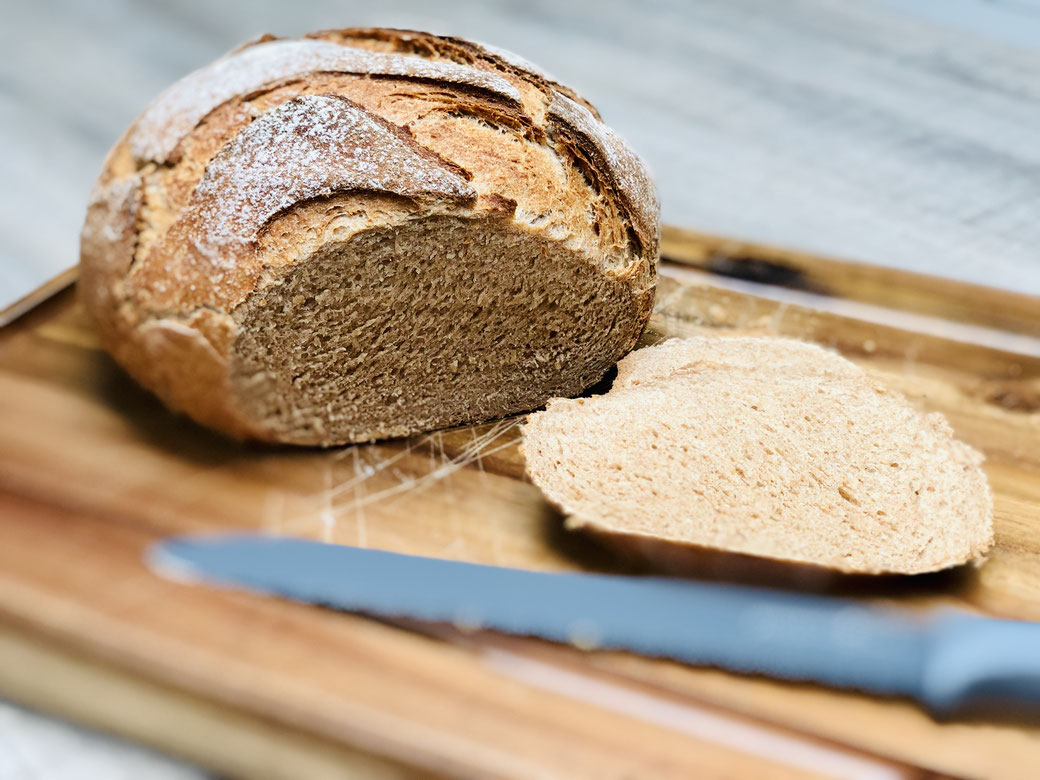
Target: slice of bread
{"x": 763, "y": 447}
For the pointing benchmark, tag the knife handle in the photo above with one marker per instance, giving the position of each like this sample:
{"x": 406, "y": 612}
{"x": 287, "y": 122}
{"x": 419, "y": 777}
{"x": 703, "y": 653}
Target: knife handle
{"x": 981, "y": 665}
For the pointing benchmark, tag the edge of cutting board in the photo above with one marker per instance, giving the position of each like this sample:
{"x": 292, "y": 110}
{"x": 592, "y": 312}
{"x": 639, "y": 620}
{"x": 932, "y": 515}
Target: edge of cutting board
{"x": 891, "y": 288}
{"x": 217, "y": 736}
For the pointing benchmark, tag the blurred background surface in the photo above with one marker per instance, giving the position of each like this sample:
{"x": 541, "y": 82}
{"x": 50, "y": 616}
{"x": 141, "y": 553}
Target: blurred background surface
{"x": 897, "y": 132}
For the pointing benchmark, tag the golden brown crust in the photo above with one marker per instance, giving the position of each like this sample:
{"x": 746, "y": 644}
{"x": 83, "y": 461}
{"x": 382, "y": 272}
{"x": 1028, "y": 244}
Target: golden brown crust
{"x": 306, "y": 148}
{"x": 167, "y": 347}
{"x": 622, "y": 174}
{"x": 249, "y": 166}
{"x": 452, "y": 49}
{"x": 109, "y": 239}
{"x": 177, "y": 111}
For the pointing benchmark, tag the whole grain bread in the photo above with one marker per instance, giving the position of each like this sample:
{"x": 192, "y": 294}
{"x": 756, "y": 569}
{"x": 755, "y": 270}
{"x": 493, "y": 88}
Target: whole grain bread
{"x": 762, "y": 447}
{"x": 368, "y": 233}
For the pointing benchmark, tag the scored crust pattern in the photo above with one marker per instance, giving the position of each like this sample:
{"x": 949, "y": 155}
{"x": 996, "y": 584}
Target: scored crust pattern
{"x": 338, "y": 133}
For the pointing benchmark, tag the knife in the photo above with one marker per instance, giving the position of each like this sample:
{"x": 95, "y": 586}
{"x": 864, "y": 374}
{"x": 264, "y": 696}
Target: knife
{"x": 950, "y": 661}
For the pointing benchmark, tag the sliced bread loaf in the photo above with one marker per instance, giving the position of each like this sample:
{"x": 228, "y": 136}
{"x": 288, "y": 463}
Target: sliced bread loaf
{"x": 368, "y": 233}
{"x": 763, "y": 447}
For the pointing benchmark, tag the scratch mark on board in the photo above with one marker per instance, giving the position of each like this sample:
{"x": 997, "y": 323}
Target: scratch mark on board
{"x": 440, "y": 466}
{"x": 359, "y": 511}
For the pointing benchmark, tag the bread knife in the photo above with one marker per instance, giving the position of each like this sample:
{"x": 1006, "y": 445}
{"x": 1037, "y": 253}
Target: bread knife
{"x": 950, "y": 661}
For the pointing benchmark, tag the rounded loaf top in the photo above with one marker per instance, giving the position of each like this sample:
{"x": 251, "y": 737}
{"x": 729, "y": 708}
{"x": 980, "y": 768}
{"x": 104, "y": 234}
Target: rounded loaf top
{"x": 368, "y": 233}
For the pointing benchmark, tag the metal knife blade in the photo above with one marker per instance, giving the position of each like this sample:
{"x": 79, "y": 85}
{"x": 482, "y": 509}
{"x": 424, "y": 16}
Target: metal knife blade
{"x": 945, "y": 660}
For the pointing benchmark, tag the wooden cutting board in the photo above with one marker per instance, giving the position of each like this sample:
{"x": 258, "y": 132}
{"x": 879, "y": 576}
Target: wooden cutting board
{"x": 92, "y": 470}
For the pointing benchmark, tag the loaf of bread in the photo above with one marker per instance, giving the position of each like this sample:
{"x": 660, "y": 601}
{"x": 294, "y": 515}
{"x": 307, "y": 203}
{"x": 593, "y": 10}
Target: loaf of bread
{"x": 761, "y": 447}
{"x": 368, "y": 233}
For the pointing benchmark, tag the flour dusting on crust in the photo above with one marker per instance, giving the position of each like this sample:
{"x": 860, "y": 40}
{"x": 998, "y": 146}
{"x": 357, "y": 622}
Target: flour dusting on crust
{"x": 631, "y": 177}
{"x": 181, "y": 107}
{"x": 308, "y": 147}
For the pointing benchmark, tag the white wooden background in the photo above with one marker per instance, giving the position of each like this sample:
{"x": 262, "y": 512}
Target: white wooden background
{"x": 898, "y": 132}
{"x": 903, "y": 133}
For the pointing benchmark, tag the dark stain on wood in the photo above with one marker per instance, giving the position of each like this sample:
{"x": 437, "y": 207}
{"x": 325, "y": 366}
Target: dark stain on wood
{"x": 763, "y": 271}
{"x": 1020, "y": 396}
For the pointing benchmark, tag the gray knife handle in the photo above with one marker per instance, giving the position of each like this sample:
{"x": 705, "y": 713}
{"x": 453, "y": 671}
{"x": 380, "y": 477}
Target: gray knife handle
{"x": 981, "y": 664}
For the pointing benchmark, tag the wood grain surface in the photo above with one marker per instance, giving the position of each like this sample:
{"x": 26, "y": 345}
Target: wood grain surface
{"x": 93, "y": 469}
{"x": 899, "y": 133}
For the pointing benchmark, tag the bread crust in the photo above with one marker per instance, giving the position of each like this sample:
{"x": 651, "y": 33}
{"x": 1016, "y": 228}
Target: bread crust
{"x": 247, "y": 168}
{"x": 451, "y": 49}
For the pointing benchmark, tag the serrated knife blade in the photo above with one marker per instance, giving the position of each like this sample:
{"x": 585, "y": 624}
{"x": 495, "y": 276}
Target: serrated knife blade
{"x": 948, "y": 660}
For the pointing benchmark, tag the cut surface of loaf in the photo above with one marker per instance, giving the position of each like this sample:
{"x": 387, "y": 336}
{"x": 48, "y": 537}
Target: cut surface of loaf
{"x": 763, "y": 447}
{"x": 368, "y": 233}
